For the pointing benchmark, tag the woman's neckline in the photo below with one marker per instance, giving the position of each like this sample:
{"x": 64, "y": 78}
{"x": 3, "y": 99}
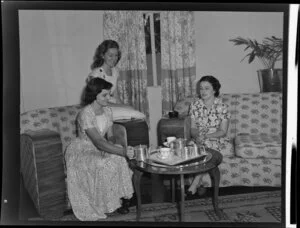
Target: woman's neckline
{"x": 95, "y": 112}
{"x": 103, "y": 70}
{"x": 210, "y": 105}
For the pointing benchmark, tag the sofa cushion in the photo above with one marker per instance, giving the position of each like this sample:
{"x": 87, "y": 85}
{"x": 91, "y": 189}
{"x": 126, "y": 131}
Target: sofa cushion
{"x": 124, "y": 113}
{"x": 258, "y": 146}
{"x": 258, "y": 113}
{"x": 248, "y": 172}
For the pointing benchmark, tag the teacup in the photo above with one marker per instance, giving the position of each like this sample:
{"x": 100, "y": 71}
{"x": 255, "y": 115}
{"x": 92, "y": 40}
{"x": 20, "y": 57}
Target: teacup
{"x": 164, "y": 152}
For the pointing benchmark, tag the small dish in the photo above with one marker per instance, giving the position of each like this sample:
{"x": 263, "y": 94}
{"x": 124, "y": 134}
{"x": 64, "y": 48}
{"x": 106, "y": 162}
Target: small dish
{"x": 166, "y": 144}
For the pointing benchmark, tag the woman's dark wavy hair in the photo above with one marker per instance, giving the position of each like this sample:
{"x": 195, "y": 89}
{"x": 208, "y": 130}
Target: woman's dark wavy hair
{"x": 98, "y": 59}
{"x": 213, "y": 81}
{"x": 93, "y": 88}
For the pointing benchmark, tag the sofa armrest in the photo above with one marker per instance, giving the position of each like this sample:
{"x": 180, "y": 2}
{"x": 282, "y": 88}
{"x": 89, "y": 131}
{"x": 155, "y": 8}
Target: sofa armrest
{"x": 119, "y": 134}
{"x": 42, "y": 170}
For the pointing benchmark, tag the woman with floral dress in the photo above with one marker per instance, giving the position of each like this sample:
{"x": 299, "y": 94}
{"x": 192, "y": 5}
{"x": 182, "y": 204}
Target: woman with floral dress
{"x": 209, "y": 123}
{"x": 99, "y": 180}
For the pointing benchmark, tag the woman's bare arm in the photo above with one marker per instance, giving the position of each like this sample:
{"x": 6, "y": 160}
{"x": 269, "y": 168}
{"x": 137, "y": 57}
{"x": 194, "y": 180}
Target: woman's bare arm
{"x": 221, "y": 131}
{"x": 102, "y": 144}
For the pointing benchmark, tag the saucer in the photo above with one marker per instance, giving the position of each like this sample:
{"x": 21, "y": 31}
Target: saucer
{"x": 166, "y": 144}
{"x": 158, "y": 155}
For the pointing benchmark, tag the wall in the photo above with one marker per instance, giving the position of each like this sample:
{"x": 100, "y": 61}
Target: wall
{"x": 56, "y": 50}
{"x": 215, "y": 55}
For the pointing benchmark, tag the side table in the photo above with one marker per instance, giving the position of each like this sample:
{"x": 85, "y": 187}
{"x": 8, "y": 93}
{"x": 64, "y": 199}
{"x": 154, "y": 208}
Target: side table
{"x": 211, "y": 167}
{"x": 178, "y": 127}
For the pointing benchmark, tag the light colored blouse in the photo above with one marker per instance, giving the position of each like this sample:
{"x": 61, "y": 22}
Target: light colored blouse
{"x": 99, "y": 72}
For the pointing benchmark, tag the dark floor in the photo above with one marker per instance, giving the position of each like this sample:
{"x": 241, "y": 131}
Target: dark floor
{"x": 27, "y": 209}
{"x": 146, "y": 192}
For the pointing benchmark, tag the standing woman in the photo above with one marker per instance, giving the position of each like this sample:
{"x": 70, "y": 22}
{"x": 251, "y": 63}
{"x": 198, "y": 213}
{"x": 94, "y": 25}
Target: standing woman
{"x": 209, "y": 123}
{"x": 99, "y": 180}
{"x": 107, "y": 56}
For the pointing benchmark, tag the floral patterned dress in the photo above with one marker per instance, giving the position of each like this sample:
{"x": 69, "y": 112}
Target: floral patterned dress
{"x": 211, "y": 119}
{"x": 96, "y": 180}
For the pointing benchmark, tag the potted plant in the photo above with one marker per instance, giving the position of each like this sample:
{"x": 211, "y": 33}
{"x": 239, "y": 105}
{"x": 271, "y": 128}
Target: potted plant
{"x": 268, "y": 52}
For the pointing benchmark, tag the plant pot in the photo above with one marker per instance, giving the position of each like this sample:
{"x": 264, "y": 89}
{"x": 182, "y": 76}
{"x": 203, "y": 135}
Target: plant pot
{"x": 173, "y": 114}
{"x": 270, "y": 80}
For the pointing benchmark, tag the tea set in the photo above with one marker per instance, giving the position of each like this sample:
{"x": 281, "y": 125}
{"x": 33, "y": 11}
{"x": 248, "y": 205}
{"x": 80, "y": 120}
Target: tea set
{"x": 173, "y": 150}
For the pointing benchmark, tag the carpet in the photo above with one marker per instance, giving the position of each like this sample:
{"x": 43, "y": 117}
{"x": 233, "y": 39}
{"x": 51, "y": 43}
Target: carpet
{"x": 250, "y": 207}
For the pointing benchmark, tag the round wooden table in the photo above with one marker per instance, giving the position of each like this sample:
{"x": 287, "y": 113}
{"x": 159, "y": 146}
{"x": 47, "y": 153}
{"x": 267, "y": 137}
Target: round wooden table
{"x": 211, "y": 167}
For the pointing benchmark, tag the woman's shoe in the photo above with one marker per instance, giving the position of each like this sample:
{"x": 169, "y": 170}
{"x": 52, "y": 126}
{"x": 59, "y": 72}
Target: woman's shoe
{"x": 201, "y": 190}
{"x": 126, "y": 202}
{"x": 189, "y": 195}
{"x": 123, "y": 210}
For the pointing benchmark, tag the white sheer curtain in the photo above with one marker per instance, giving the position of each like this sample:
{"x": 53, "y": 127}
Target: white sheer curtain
{"x": 56, "y": 50}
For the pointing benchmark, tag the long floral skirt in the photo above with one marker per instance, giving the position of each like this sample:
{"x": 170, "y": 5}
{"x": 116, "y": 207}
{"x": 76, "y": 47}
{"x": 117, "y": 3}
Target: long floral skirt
{"x": 95, "y": 182}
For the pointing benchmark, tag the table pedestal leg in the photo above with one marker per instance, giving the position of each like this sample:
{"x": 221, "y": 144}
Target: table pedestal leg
{"x": 157, "y": 189}
{"x": 136, "y": 182}
{"x": 173, "y": 189}
{"x": 182, "y": 198}
{"x": 215, "y": 179}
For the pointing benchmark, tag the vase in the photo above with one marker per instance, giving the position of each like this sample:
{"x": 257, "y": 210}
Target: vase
{"x": 270, "y": 80}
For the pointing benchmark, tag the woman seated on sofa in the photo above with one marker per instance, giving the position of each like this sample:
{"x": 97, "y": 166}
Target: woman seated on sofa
{"x": 209, "y": 123}
{"x": 98, "y": 176}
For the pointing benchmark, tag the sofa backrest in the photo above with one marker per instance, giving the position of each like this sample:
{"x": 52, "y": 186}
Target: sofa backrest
{"x": 259, "y": 113}
{"x": 251, "y": 113}
{"x": 58, "y": 119}
{"x": 230, "y": 100}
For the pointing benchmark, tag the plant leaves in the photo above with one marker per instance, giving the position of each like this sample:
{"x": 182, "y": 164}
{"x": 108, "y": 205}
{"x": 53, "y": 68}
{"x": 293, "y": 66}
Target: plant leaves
{"x": 251, "y": 57}
{"x": 269, "y": 51}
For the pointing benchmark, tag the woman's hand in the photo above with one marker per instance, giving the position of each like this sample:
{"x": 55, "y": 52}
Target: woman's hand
{"x": 203, "y": 131}
{"x": 200, "y": 139}
{"x": 130, "y": 152}
{"x": 201, "y": 135}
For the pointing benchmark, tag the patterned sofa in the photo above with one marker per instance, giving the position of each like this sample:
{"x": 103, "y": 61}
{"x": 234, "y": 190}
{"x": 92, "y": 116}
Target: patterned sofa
{"x": 255, "y": 129}
{"x": 45, "y": 134}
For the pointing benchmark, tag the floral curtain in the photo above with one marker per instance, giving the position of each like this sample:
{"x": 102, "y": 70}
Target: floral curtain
{"x": 127, "y": 28}
{"x": 177, "y": 57}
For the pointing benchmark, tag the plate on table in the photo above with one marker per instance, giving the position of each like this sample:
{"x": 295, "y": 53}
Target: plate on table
{"x": 178, "y": 161}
